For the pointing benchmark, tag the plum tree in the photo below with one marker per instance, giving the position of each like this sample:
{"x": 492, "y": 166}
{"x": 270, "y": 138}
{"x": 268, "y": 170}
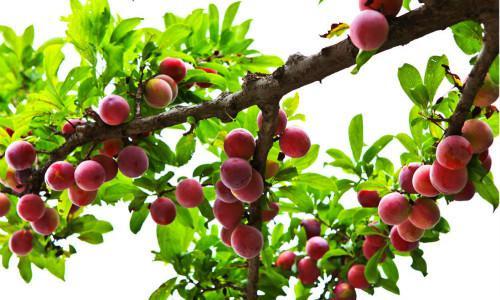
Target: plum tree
{"x": 113, "y": 110}
{"x": 20, "y": 155}
{"x": 448, "y": 181}
{"x": 369, "y": 30}
{"x": 225, "y": 236}
{"x": 174, "y": 68}
{"x": 48, "y": 223}
{"x": 406, "y": 177}
{"x": 487, "y": 94}
{"x": 163, "y": 211}
{"x": 4, "y": 205}
{"x": 81, "y": 197}
{"x": 206, "y": 85}
{"x": 133, "y": 161}
{"x": 60, "y": 175}
{"x": 316, "y": 247}
{"x": 454, "y": 152}
{"x": 21, "y": 242}
{"x": 30, "y": 207}
{"x": 394, "y": 209}
{"x": 479, "y": 134}
{"x": 247, "y": 241}
{"x": 111, "y": 147}
{"x": 312, "y": 227}
{"x": 372, "y": 244}
{"x": 356, "y": 277}
{"x": 89, "y": 175}
{"x": 344, "y": 291}
{"x": 409, "y": 232}
{"x": 286, "y": 260}
{"x": 269, "y": 214}
{"x": 272, "y": 169}
{"x": 280, "y": 126}
{"x": 389, "y": 8}
{"x": 229, "y": 215}
{"x": 109, "y": 165}
{"x": 368, "y": 198}
{"x": 399, "y": 243}
{"x": 189, "y": 193}
{"x": 425, "y": 213}
{"x": 159, "y": 93}
{"x": 294, "y": 142}
{"x": 236, "y": 173}
{"x": 467, "y": 193}
{"x": 239, "y": 143}
{"x": 422, "y": 182}
{"x": 252, "y": 191}
{"x": 307, "y": 270}
{"x": 70, "y": 126}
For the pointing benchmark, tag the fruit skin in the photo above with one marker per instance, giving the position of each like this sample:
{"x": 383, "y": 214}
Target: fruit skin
{"x": 368, "y": 198}
{"x": 479, "y": 135}
{"x": 60, "y": 175}
{"x": 409, "y": 232}
{"x": 223, "y": 193}
{"x": 48, "y": 223}
{"x": 394, "y": 209}
{"x": 236, "y": 173}
{"x": 406, "y": 177}
{"x": 282, "y": 121}
{"x": 372, "y": 244}
{"x": 247, "y": 241}
{"x": 206, "y": 84}
{"x": 316, "y": 247}
{"x": 390, "y": 8}
{"x": 80, "y": 197}
{"x": 400, "y": 244}
{"x": 467, "y": 193}
{"x": 111, "y": 147}
{"x": 487, "y": 94}
{"x": 158, "y": 93}
{"x": 12, "y": 181}
{"x": 454, "y": 152}
{"x": 133, "y": 161}
{"x": 4, "y": 205}
{"x": 272, "y": 168}
{"x": 356, "y": 277}
{"x": 486, "y": 162}
{"x": 295, "y": 142}
{"x": 20, "y": 155}
{"x": 174, "y": 68}
{"x": 312, "y": 227}
{"x": 425, "y": 213}
{"x": 109, "y": 164}
{"x": 369, "y": 30}
{"x": 422, "y": 182}
{"x": 21, "y": 242}
{"x": 307, "y": 270}
{"x": 69, "y": 127}
{"x": 163, "y": 211}
{"x": 229, "y": 215}
{"x": 30, "y": 207}
{"x": 239, "y": 143}
{"x": 269, "y": 214}
{"x": 189, "y": 193}
{"x": 286, "y": 260}
{"x": 113, "y": 110}
{"x": 448, "y": 181}
{"x": 252, "y": 191}
{"x": 172, "y": 83}
{"x": 89, "y": 175}
{"x": 225, "y": 236}
{"x": 344, "y": 291}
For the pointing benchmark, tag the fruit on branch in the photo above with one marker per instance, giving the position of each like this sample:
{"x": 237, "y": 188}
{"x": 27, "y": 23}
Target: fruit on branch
{"x": 223, "y": 193}
{"x": 448, "y": 181}
{"x": 30, "y": 207}
{"x": 409, "y": 232}
{"x": 286, "y": 260}
{"x": 109, "y": 164}
{"x": 225, "y": 236}
{"x": 48, "y": 223}
{"x": 344, "y": 291}
{"x": 236, "y": 173}
{"x": 229, "y": 215}
{"x": 272, "y": 168}
{"x": 4, "y": 205}
{"x": 485, "y": 159}
{"x": 487, "y": 94}
{"x": 20, "y": 155}
{"x": 247, "y": 241}
{"x": 89, "y": 175}
{"x": 239, "y": 143}
{"x": 70, "y": 126}
{"x": 133, "y": 161}
{"x": 307, "y": 271}
{"x": 12, "y": 181}
{"x": 80, "y": 197}
{"x": 422, "y": 182}
{"x": 316, "y": 247}
{"x": 111, "y": 147}
{"x": 406, "y": 177}
{"x": 21, "y": 242}
{"x": 312, "y": 227}
{"x": 295, "y": 142}
{"x": 356, "y": 277}
{"x": 372, "y": 244}
{"x": 425, "y": 213}
{"x": 479, "y": 134}
{"x": 369, "y": 30}
{"x": 368, "y": 198}
{"x": 454, "y": 152}
{"x": 280, "y": 126}
{"x": 390, "y": 8}
{"x": 394, "y": 209}
{"x": 174, "y": 68}
{"x": 205, "y": 85}
{"x": 467, "y": 193}
{"x": 189, "y": 193}
{"x": 252, "y": 191}
{"x": 158, "y": 94}
{"x": 399, "y": 243}
{"x": 113, "y": 110}
{"x": 269, "y": 214}
{"x": 172, "y": 83}
{"x": 163, "y": 211}
{"x": 60, "y": 175}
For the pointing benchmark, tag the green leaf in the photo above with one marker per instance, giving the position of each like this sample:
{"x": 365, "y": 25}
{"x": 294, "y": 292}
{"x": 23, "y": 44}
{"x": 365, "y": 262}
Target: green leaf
{"x": 371, "y": 270}
{"x": 469, "y": 36}
{"x": 434, "y": 74}
{"x": 94, "y": 238}
{"x": 164, "y": 291}
{"x": 173, "y": 239}
{"x": 185, "y": 149}
{"x": 124, "y": 27}
{"x": 291, "y": 104}
{"x": 493, "y": 72}
{"x": 410, "y": 79}
{"x": 361, "y": 59}
{"x": 375, "y": 149}
{"x": 316, "y": 181}
{"x": 213, "y": 16}
{"x": 418, "y": 262}
{"x": 407, "y": 142}
{"x": 305, "y": 161}
{"x": 230, "y": 15}
{"x": 137, "y": 219}
{"x": 173, "y": 35}
{"x": 390, "y": 270}
{"x": 389, "y": 285}
{"x": 356, "y": 136}
{"x": 24, "y": 267}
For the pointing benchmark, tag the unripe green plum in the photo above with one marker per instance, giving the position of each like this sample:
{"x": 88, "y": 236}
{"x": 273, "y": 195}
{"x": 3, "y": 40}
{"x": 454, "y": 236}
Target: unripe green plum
{"x": 133, "y": 161}
{"x": 422, "y": 182}
{"x": 406, "y": 177}
{"x": 30, "y": 207}
{"x": 390, "y": 8}
{"x": 60, "y": 176}
{"x": 109, "y": 165}
{"x": 70, "y": 126}
{"x": 4, "y": 205}
{"x": 394, "y": 209}
{"x": 247, "y": 241}
{"x": 479, "y": 135}
{"x": 356, "y": 277}
{"x": 448, "y": 181}
{"x": 89, "y": 175}
{"x": 20, "y": 155}
{"x": 80, "y": 197}
{"x": 252, "y": 191}
{"x": 189, "y": 193}
{"x": 454, "y": 152}
{"x": 272, "y": 168}
{"x": 399, "y": 243}
{"x": 344, "y": 291}
{"x": 316, "y": 247}
{"x": 236, "y": 173}
{"x": 174, "y": 68}
{"x": 269, "y": 214}
{"x": 368, "y": 198}
{"x": 286, "y": 260}
{"x": 48, "y": 223}
{"x": 229, "y": 215}
{"x": 307, "y": 270}
{"x": 223, "y": 193}
{"x": 163, "y": 211}
{"x": 369, "y": 30}
{"x": 113, "y": 110}
{"x": 158, "y": 93}
{"x": 225, "y": 236}
{"x": 487, "y": 94}
{"x": 239, "y": 143}
{"x": 409, "y": 232}
{"x": 282, "y": 121}
{"x": 294, "y": 142}
{"x": 425, "y": 214}
{"x": 467, "y": 193}
{"x": 312, "y": 227}
{"x": 111, "y": 147}
{"x": 21, "y": 242}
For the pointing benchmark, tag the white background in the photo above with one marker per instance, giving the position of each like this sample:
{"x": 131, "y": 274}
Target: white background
{"x": 465, "y": 264}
